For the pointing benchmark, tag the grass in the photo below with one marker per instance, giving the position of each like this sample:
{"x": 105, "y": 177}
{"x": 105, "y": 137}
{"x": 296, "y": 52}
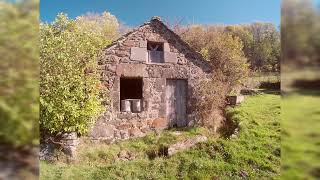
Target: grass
{"x": 254, "y": 153}
{"x": 301, "y": 136}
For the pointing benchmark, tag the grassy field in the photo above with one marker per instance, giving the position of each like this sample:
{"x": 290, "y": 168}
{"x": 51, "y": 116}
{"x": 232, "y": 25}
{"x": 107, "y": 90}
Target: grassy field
{"x": 254, "y": 153}
{"x": 255, "y": 80}
{"x": 301, "y": 136}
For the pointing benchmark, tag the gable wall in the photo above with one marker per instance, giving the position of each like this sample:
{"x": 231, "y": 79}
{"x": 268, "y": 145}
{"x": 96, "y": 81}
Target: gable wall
{"x": 118, "y": 61}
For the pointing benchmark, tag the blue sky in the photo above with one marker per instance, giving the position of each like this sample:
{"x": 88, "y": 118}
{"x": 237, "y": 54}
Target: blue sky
{"x": 135, "y": 12}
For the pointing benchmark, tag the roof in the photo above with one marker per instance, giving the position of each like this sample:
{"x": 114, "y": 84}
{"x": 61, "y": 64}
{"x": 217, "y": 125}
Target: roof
{"x": 157, "y": 19}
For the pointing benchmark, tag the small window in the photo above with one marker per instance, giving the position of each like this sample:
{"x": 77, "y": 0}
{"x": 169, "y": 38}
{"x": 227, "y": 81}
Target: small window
{"x": 131, "y": 94}
{"x": 155, "y": 52}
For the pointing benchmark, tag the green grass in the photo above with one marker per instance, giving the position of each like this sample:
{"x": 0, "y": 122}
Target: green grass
{"x": 301, "y": 136}
{"x": 254, "y": 153}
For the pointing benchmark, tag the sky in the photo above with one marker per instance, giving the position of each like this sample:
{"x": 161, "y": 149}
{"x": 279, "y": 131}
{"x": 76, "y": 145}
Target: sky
{"x": 134, "y": 12}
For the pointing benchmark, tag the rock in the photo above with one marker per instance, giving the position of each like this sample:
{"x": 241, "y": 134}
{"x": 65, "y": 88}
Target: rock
{"x": 124, "y": 134}
{"x": 70, "y": 151}
{"x": 46, "y": 152}
{"x": 159, "y": 123}
{"x": 68, "y": 136}
{"x": 102, "y": 130}
{"x": 128, "y": 43}
{"x": 122, "y": 53}
{"x": 186, "y": 144}
{"x": 234, "y": 100}
{"x": 125, "y": 155}
{"x": 135, "y": 132}
{"x": 243, "y": 174}
{"x": 176, "y": 133}
{"x": 132, "y": 70}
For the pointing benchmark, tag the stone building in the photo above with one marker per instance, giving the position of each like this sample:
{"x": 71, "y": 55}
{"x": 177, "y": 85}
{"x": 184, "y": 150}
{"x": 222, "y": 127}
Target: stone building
{"x": 152, "y": 75}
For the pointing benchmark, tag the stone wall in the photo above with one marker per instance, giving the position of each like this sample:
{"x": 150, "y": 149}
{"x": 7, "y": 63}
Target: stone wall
{"x": 126, "y": 58}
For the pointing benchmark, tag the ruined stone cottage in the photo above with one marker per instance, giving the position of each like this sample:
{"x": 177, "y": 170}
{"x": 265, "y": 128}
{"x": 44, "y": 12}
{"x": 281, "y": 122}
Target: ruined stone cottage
{"x": 152, "y": 75}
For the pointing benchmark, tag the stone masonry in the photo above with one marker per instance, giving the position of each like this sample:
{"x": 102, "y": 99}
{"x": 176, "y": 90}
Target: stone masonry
{"x": 126, "y": 58}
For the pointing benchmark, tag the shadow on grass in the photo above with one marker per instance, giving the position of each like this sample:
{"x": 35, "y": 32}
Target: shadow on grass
{"x": 270, "y": 85}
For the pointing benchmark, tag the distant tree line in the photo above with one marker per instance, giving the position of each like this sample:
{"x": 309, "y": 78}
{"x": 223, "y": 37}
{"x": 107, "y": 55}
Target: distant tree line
{"x": 260, "y": 41}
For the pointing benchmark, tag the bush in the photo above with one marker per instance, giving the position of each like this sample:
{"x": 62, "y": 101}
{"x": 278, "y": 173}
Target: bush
{"x": 230, "y": 69}
{"x": 19, "y": 68}
{"x": 70, "y": 90}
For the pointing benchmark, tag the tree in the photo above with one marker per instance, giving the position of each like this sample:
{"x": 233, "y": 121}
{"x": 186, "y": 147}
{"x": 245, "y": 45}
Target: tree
{"x": 19, "y": 71}
{"x": 261, "y": 45}
{"x": 222, "y": 50}
{"x": 246, "y": 37}
{"x": 261, "y": 42}
{"x": 266, "y": 47}
{"x": 70, "y": 90}
{"x": 225, "y": 54}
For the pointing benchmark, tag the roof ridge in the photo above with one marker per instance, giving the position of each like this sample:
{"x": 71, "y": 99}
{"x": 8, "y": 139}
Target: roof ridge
{"x": 158, "y": 19}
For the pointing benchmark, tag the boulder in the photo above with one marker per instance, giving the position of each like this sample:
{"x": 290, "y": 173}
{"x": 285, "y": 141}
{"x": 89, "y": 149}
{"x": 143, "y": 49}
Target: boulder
{"x": 159, "y": 123}
{"x": 186, "y": 144}
{"x": 125, "y": 155}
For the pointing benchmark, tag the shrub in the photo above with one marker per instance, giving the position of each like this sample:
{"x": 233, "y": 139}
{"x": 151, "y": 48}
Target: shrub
{"x": 19, "y": 68}
{"x": 230, "y": 69}
{"x": 70, "y": 90}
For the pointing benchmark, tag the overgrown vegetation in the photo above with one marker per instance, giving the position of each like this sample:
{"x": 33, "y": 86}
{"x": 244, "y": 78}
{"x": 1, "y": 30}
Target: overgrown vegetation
{"x": 19, "y": 71}
{"x": 253, "y": 153}
{"x": 234, "y": 52}
{"x": 70, "y": 90}
{"x": 229, "y": 69}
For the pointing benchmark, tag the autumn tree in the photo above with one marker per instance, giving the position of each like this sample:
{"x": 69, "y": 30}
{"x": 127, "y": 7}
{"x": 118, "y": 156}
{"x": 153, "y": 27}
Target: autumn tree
{"x": 222, "y": 50}
{"x": 224, "y": 53}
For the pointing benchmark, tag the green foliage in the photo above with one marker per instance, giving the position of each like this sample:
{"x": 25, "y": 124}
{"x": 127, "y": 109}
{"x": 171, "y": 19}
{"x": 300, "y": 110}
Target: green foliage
{"x": 253, "y": 154}
{"x": 70, "y": 90}
{"x": 225, "y": 54}
{"x": 19, "y": 68}
{"x": 261, "y": 45}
